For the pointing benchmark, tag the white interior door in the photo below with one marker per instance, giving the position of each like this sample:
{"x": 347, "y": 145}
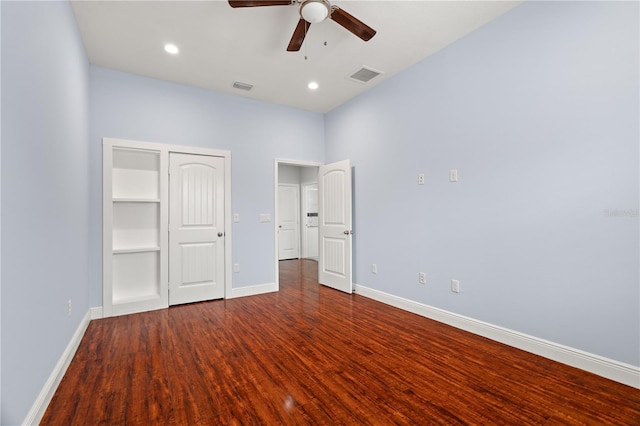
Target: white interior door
{"x": 196, "y": 228}
{"x": 334, "y": 225}
{"x": 288, "y": 221}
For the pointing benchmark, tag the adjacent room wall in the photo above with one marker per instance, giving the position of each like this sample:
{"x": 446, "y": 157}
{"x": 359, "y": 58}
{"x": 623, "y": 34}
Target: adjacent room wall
{"x": 45, "y": 196}
{"x": 131, "y": 107}
{"x": 538, "y": 112}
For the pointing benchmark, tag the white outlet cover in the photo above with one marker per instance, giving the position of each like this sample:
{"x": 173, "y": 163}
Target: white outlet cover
{"x": 453, "y": 175}
{"x": 455, "y": 286}
{"x": 421, "y": 179}
{"x": 236, "y": 217}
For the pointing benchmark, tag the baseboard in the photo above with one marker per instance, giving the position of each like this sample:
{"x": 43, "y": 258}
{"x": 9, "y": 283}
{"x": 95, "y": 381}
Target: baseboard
{"x": 42, "y": 402}
{"x": 96, "y": 312}
{"x": 253, "y": 290}
{"x": 605, "y": 367}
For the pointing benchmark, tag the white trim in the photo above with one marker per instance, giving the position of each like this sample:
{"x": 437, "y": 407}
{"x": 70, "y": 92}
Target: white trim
{"x": 34, "y": 416}
{"x": 605, "y": 367}
{"x": 253, "y": 290}
{"x": 96, "y": 313}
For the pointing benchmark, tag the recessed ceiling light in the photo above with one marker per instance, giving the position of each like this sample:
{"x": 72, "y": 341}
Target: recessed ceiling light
{"x": 313, "y": 85}
{"x": 171, "y": 48}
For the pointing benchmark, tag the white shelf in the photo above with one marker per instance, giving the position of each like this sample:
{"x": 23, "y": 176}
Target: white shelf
{"x": 136, "y": 225}
{"x": 136, "y": 200}
{"x": 135, "y": 250}
{"x": 135, "y": 174}
{"x": 136, "y": 275}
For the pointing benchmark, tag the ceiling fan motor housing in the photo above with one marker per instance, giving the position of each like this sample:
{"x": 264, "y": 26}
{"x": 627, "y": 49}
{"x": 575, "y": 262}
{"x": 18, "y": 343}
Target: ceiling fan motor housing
{"x": 315, "y": 11}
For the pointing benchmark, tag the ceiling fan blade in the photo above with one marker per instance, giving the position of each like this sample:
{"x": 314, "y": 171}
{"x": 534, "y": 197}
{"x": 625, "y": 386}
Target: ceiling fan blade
{"x": 298, "y": 36}
{"x": 255, "y": 3}
{"x": 352, "y": 24}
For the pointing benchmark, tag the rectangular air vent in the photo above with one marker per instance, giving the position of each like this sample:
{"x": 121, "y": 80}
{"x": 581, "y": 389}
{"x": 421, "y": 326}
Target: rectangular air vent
{"x": 242, "y": 86}
{"x": 364, "y": 75}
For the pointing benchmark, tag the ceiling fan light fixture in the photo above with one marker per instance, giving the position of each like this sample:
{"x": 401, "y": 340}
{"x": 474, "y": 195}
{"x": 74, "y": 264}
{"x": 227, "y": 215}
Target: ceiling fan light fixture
{"x": 314, "y": 11}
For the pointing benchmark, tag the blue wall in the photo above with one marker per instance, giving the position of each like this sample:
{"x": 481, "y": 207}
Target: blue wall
{"x": 538, "y": 111}
{"x": 132, "y": 107}
{"x": 45, "y": 195}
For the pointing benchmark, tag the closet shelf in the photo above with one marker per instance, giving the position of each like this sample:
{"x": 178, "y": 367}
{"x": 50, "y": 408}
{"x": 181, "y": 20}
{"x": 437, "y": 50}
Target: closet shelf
{"x": 136, "y": 250}
{"x": 136, "y": 200}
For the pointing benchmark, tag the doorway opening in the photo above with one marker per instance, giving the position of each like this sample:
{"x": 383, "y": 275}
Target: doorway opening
{"x": 333, "y": 191}
{"x": 296, "y": 211}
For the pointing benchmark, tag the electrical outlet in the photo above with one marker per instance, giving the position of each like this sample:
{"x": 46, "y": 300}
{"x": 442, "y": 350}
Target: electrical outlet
{"x": 455, "y": 286}
{"x": 374, "y": 268}
{"x": 236, "y": 267}
{"x": 69, "y": 308}
{"x": 236, "y": 217}
{"x": 453, "y": 175}
{"x": 421, "y": 179}
{"x": 422, "y": 278}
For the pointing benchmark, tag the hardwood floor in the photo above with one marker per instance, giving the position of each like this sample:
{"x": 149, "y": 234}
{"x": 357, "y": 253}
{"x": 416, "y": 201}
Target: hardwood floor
{"x": 312, "y": 355}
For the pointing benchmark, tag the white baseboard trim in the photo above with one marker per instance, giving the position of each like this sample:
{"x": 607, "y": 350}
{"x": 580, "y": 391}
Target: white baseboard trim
{"x": 605, "y": 367}
{"x": 96, "y": 312}
{"x": 253, "y": 290}
{"x": 34, "y": 416}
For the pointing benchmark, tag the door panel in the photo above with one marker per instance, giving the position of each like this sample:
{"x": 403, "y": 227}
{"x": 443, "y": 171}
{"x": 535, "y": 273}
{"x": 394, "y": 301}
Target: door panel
{"x": 196, "y": 228}
{"x": 334, "y": 225}
{"x": 289, "y": 223}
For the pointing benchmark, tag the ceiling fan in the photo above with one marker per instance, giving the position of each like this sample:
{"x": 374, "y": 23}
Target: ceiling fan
{"x": 313, "y": 12}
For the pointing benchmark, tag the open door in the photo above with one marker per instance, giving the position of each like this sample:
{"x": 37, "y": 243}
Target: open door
{"x": 334, "y": 226}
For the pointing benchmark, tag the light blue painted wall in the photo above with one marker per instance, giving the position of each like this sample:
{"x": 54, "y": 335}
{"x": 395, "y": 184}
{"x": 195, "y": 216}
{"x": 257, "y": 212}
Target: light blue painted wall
{"x": 538, "y": 111}
{"x": 45, "y": 199}
{"x": 132, "y": 107}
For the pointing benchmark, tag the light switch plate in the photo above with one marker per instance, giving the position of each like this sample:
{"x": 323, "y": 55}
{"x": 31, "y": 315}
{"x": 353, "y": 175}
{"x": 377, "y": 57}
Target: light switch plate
{"x": 265, "y": 217}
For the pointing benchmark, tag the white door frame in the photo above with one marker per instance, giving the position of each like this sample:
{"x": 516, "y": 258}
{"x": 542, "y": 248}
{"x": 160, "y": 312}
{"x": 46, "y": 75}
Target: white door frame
{"x": 277, "y": 162}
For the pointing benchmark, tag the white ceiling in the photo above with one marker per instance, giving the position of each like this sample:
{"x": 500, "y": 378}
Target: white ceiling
{"x": 220, "y": 45}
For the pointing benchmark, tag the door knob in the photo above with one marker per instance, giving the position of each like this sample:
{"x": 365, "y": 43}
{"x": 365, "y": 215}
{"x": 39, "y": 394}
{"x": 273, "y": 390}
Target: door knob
{"x": 347, "y": 232}
{"x": 220, "y": 234}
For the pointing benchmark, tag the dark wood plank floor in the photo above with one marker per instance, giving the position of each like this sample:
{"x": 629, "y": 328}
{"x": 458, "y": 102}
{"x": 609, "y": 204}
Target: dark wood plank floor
{"x": 312, "y": 355}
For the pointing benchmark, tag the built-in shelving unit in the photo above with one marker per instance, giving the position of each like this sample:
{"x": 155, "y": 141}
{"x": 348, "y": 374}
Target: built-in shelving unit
{"x": 134, "y": 258}
{"x": 135, "y": 225}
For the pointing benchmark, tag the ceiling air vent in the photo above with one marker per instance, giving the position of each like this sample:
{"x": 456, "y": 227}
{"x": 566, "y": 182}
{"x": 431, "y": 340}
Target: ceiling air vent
{"x": 242, "y": 86}
{"x": 364, "y": 75}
